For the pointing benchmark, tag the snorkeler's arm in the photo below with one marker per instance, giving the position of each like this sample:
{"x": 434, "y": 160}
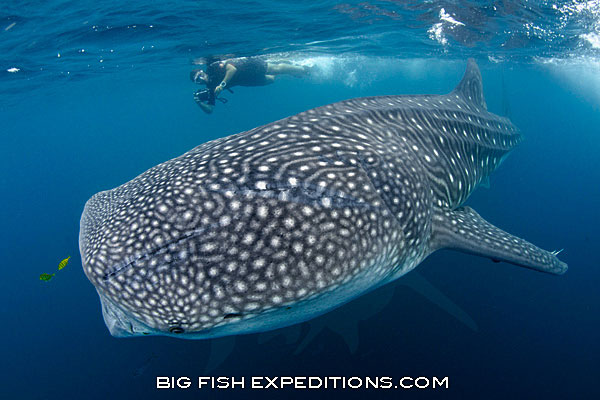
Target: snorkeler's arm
{"x": 230, "y": 71}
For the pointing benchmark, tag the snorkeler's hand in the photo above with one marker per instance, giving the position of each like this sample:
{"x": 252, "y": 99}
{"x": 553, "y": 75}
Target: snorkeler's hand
{"x": 218, "y": 90}
{"x": 207, "y": 108}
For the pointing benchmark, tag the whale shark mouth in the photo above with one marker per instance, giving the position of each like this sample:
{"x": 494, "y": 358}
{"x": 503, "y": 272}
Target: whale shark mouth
{"x": 118, "y": 322}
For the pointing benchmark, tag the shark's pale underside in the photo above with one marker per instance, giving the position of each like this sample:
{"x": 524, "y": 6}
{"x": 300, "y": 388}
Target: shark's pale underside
{"x": 284, "y": 222}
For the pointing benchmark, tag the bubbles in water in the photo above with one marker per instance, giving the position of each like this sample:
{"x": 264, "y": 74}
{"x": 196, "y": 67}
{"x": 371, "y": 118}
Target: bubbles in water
{"x": 352, "y": 70}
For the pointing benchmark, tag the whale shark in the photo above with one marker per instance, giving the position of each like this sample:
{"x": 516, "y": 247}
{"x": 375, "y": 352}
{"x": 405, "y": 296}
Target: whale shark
{"x": 285, "y": 222}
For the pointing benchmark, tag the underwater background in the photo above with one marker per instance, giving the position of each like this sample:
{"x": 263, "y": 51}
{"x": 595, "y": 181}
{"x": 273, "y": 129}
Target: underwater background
{"x": 94, "y": 93}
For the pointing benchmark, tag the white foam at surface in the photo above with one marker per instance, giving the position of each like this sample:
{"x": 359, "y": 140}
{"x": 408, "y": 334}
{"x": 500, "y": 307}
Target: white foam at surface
{"x": 580, "y": 73}
{"x": 592, "y": 38}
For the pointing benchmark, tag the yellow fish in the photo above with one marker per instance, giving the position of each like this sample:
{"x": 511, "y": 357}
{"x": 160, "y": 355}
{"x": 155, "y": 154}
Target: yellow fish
{"x": 46, "y": 277}
{"x": 63, "y": 263}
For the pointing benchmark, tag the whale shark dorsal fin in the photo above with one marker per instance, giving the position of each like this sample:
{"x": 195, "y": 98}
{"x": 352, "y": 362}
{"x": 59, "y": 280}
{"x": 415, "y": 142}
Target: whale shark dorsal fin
{"x": 470, "y": 88}
{"x": 464, "y": 230}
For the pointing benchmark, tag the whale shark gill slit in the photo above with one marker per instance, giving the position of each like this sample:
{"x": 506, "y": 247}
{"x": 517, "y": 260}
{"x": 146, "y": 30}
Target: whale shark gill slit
{"x": 130, "y": 263}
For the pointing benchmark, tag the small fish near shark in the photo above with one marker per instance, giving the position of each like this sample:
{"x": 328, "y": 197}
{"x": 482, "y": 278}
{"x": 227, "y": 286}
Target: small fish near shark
{"x": 282, "y": 223}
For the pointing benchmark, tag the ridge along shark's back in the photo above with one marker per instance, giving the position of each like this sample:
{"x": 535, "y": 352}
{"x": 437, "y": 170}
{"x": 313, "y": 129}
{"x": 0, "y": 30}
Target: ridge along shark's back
{"x": 279, "y": 224}
{"x": 453, "y": 136}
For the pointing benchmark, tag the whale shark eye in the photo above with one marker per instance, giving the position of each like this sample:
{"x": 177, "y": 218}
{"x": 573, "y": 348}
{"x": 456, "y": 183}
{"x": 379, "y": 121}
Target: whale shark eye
{"x": 176, "y": 329}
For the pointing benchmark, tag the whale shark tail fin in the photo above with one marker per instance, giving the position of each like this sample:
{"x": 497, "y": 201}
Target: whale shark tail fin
{"x": 464, "y": 230}
{"x": 470, "y": 88}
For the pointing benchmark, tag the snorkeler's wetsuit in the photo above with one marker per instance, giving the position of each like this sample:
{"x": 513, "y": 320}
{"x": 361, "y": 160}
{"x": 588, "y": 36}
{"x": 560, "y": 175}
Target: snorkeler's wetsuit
{"x": 250, "y": 72}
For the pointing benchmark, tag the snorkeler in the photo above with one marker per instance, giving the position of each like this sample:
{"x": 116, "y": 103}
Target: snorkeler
{"x": 242, "y": 71}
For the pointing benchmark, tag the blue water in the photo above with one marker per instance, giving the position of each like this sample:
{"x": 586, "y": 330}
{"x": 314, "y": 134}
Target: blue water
{"x": 93, "y": 94}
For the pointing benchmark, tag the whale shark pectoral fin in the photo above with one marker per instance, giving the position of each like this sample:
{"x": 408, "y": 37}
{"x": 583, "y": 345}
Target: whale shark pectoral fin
{"x": 464, "y": 230}
{"x": 470, "y": 88}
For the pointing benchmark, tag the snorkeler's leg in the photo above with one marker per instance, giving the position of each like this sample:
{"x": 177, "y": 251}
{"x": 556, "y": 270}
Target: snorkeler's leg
{"x": 284, "y": 68}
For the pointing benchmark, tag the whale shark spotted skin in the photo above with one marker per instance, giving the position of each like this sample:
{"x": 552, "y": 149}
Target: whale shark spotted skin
{"x": 282, "y": 223}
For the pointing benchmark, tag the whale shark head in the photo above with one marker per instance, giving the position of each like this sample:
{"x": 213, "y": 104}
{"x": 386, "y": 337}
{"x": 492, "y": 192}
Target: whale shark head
{"x": 203, "y": 247}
